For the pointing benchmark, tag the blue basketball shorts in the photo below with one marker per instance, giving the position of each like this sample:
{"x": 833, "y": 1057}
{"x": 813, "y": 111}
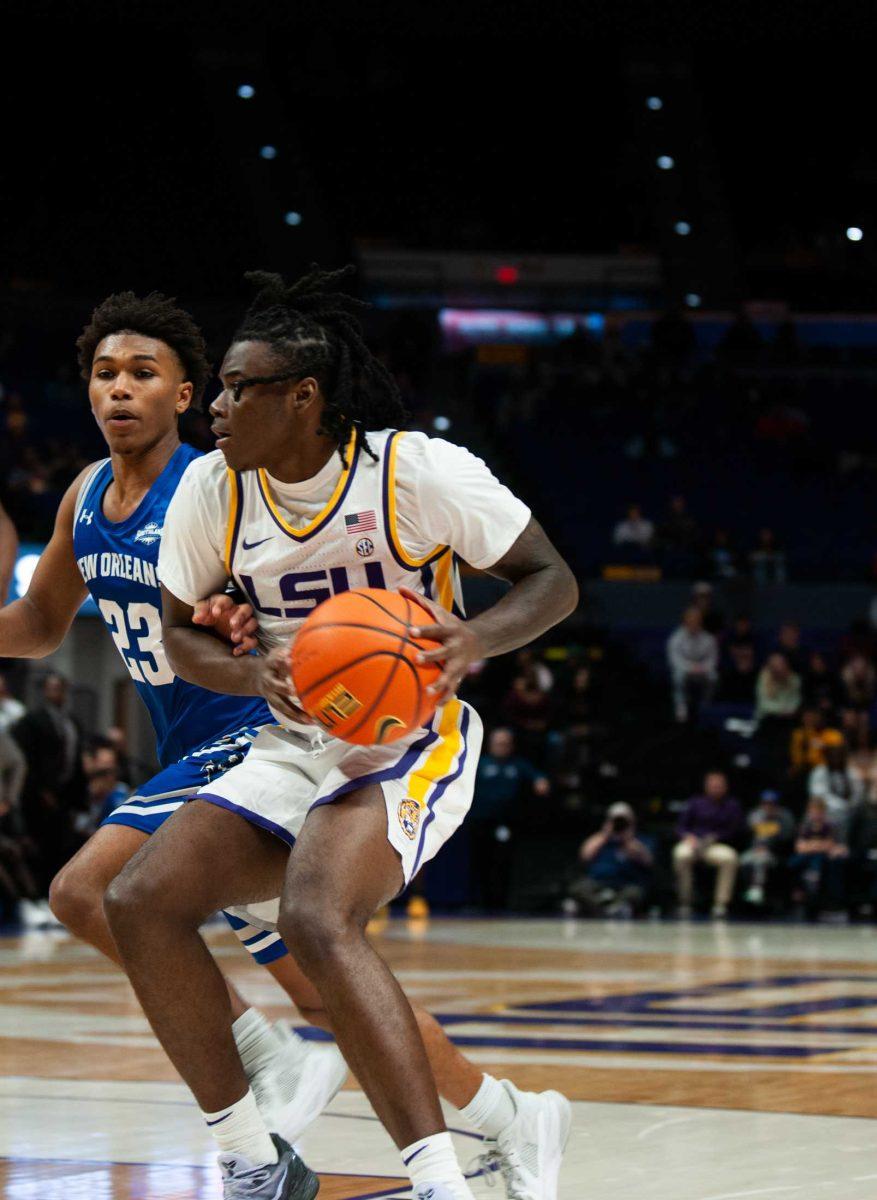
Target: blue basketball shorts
{"x": 151, "y": 805}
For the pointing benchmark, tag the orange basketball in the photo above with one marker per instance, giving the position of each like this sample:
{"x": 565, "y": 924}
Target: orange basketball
{"x": 355, "y": 670}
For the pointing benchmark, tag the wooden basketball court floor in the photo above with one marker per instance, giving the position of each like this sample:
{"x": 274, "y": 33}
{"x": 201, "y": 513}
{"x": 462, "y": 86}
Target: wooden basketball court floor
{"x": 704, "y": 1062}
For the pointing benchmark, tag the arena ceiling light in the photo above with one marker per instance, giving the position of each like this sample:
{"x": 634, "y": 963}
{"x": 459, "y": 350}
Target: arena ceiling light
{"x": 246, "y": 91}
{"x": 654, "y": 103}
{"x": 292, "y": 218}
{"x": 682, "y": 228}
{"x": 666, "y": 162}
{"x": 693, "y": 300}
{"x": 854, "y": 233}
{"x": 268, "y": 152}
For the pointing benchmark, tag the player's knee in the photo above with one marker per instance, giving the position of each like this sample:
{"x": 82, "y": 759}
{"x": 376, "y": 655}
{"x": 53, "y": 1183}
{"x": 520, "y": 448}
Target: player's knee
{"x": 121, "y": 900}
{"x": 137, "y": 898}
{"x": 75, "y": 900}
{"x": 314, "y": 930}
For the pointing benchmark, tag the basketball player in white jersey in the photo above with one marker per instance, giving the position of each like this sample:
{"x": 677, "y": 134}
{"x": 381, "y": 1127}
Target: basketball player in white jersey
{"x": 308, "y": 461}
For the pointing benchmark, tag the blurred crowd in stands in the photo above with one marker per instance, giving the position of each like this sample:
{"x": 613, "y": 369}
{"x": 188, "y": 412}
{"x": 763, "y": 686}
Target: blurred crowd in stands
{"x": 757, "y": 793}
{"x": 678, "y": 539}
{"x": 734, "y": 775}
{"x": 743, "y": 458}
{"x": 56, "y": 786}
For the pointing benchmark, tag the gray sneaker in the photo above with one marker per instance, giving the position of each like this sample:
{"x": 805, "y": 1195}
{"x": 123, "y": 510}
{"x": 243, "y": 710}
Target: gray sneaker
{"x": 287, "y": 1179}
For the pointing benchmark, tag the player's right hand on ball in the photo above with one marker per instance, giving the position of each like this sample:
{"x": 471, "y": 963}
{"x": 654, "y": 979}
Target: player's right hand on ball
{"x": 276, "y": 685}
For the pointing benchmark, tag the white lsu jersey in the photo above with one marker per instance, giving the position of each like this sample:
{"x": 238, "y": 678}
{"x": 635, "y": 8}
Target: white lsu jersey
{"x": 352, "y": 543}
{"x": 400, "y": 518}
{"x": 239, "y": 524}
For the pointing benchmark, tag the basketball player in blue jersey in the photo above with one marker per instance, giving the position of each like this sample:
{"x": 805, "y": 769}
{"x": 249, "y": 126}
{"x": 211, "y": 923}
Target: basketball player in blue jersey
{"x": 144, "y": 362}
{"x": 306, "y": 427}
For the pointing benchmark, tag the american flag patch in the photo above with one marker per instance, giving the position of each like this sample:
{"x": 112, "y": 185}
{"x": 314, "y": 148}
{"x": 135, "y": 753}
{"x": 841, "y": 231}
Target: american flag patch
{"x": 361, "y": 522}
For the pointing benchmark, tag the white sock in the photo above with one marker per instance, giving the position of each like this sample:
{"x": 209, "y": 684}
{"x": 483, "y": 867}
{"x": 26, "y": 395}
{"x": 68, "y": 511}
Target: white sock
{"x": 434, "y": 1160}
{"x": 239, "y": 1129}
{"x": 491, "y": 1109}
{"x": 256, "y": 1040}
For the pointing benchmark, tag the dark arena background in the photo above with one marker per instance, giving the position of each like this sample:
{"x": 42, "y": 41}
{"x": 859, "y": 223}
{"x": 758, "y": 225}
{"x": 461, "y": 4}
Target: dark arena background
{"x": 628, "y": 257}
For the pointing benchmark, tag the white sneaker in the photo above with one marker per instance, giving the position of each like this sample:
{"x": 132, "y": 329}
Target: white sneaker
{"x": 528, "y": 1153}
{"x": 294, "y": 1087}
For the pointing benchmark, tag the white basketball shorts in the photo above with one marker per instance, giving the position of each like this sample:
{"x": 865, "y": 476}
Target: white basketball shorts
{"x": 427, "y": 779}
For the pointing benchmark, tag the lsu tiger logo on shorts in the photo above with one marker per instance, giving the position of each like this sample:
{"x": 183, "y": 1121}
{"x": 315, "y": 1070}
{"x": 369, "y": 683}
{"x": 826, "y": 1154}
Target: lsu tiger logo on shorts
{"x": 409, "y": 817}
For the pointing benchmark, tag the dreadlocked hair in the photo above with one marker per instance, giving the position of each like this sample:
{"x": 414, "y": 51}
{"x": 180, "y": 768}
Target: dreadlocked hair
{"x": 155, "y": 316}
{"x": 314, "y": 330}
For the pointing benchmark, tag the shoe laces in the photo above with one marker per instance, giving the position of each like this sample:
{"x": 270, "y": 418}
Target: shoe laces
{"x": 505, "y": 1162}
{"x": 251, "y": 1181}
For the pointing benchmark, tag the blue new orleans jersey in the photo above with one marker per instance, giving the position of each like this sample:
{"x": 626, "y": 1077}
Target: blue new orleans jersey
{"x": 118, "y": 563}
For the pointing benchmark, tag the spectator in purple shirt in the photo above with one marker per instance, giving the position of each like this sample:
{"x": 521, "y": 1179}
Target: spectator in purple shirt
{"x": 709, "y": 823}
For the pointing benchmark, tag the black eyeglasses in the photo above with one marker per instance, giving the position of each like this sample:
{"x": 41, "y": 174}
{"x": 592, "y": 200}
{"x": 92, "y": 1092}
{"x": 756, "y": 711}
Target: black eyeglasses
{"x": 238, "y": 387}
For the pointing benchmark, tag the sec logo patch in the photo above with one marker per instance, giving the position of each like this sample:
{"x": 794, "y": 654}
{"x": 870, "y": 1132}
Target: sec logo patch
{"x": 409, "y": 817}
{"x": 365, "y": 547}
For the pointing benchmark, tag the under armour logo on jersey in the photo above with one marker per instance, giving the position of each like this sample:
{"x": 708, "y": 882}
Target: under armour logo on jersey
{"x": 87, "y": 516}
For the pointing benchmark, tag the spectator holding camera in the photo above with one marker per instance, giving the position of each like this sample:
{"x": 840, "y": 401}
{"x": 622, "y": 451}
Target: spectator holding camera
{"x": 618, "y": 868}
{"x": 709, "y": 824}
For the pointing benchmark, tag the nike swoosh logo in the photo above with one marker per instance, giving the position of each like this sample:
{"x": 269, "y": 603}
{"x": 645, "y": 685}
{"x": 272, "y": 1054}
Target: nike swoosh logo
{"x": 219, "y": 1120}
{"x": 252, "y": 545}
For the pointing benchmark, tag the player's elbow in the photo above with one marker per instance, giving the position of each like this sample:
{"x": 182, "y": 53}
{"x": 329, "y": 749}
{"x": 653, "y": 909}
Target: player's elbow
{"x": 35, "y": 630}
{"x": 566, "y": 590}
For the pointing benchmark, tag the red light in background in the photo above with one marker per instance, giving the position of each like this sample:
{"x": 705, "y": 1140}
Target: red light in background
{"x": 507, "y": 275}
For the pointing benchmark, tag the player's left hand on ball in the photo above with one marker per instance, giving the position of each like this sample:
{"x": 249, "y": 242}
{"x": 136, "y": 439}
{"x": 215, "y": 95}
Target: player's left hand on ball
{"x": 460, "y": 646}
{"x": 233, "y": 622}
